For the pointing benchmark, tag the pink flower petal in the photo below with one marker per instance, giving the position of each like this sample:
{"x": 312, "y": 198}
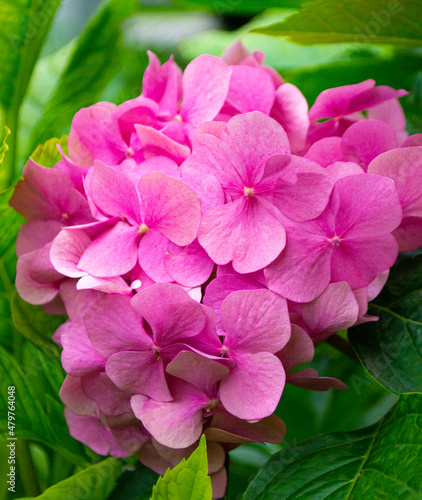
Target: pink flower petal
{"x": 74, "y": 397}
{"x": 255, "y": 321}
{"x": 155, "y": 143}
{"x": 326, "y": 151}
{"x": 298, "y": 350}
{"x": 67, "y": 250}
{"x": 227, "y": 233}
{"x": 151, "y": 253}
{"x": 309, "y": 379}
{"x": 254, "y": 387}
{"x": 205, "y": 85}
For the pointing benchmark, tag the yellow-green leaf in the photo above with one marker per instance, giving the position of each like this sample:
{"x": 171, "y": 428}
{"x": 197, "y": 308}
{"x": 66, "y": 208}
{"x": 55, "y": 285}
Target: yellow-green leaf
{"x": 47, "y": 154}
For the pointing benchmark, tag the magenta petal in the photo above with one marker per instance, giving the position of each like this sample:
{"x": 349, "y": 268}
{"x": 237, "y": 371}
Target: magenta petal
{"x": 79, "y": 356}
{"x": 203, "y": 373}
{"x": 32, "y": 290}
{"x": 205, "y": 86}
{"x": 113, "y": 193}
{"x": 412, "y": 141}
{"x": 208, "y": 188}
{"x": 155, "y": 143}
{"x": 74, "y": 397}
{"x": 172, "y": 207}
{"x": 298, "y": 187}
{"x": 341, "y": 169}
{"x": 191, "y": 266}
{"x": 177, "y": 424}
{"x": 66, "y": 251}
{"x": 174, "y": 315}
{"x": 366, "y": 139}
{"x": 298, "y": 350}
{"x": 251, "y": 89}
{"x": 227, "y": 233}
{"x": 139, "y": 372}
{"x": 302, "y": 271}
{"x": 94, "y": 135}
{"x": 409, "y": 234}
{"x": 151, "y": 253}
{"x": 89, "y": 430}
{"x": 326, "y": 151}
{"x": 291, "y": 111}
{"x": 113, "y": 325}
{"x": 110, "y": 400}
{"x": 308, "y": 379}
{"x": 255, "y": 321}
{"x": 254, "y": 387}
{"x": 366, "y": 206}
{"x": 336, "y": 309}
{"x": 359, "y": 261}
{"x": 113, "y": 253}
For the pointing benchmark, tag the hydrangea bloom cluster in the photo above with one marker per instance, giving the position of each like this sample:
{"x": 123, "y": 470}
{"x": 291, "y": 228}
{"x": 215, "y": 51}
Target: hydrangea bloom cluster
{"x": 203, "y": 238}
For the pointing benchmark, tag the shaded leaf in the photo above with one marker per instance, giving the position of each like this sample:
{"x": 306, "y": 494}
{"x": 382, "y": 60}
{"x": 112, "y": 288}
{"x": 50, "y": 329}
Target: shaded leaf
{"x": 92, "y": 66}
{"x": 189, "y": 480}
{"x": 135, "y": 484}
{"x": 35, "y": 400}
{"x": 377, "y": 462}
{"x": 355, "y": 21}
{"x": 47, "y": 154}
{"x": 391, "y": 348}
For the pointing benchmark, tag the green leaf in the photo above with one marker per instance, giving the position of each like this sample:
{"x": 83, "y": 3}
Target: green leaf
{"x": 12, "y": 221}
{"x": 245, "y": 7}
{"x": 394, "y": 22}
{"x": 135, "y": 484}
{"x": 36, "y": 387}
{"x": 47, "y": 154}
{"x": 377, "y": 462}
{"x": 92, "y": 66}
{"x": 189, "y": 480}
{"x": 391, "y": 348}
{"x": 25, "y": 24}
{"x": 3, "y": 146}
{"x": 95, "y": 482}
{"x": 35, "y": 324}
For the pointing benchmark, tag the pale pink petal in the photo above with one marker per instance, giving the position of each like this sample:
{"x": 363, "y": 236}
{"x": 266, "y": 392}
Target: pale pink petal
{"x": 205, "y": 86}
{"x": 203, "y": 373}
{"x": 177, "y": 424}
{"x": 254, "y": 387}
{"x": 115, "y": 284}
{"x": 155, "y": 143}
{"x": 409, "y": 234}
{"x": 76, "y": 301}
{"x": 291, "y": 111}
{"x": 67, "y": 250}
{"x": 359, "y": 261}
{"x": 235, "y": 52}
{"x": 208, "y": 188}
{"x": 365, "y": 140}
{"x": 174, "y": 315}
{"x": 89, "y": 430}
{"x": 375, "y": 287}
{"x": 151, "y": 253}
{"x": 139, "y": 372}
{"x": 251, "y": 89}
{"x": 95, "y": 135}
{"x": 213, "y": 128}
{"x": 367, "y": 205}
{"x": 392, "y": 113}
{"x": 113, "y": 325}
{"x": 31, "y": 290}
{"x": 336, "y": 309}
{"x": 189, "y": 266}
{"x": 227, "y": 233}
{"x": 113, "y": 253}
{"x": 298, "y": 350}
{"x": 298, "y": 187}
{"x": 172, "y": 207}
{"x": 79, "y": 356}
{"x": 326, "y": 151}
{"x": 109, "y": 398}
{"x": 113, "y": 193}
{"x": 412, "y": 141}
{"x": 74, "y": 397}
{"x": 255, "y": 321}
{"x": 340, "y": 169}
{"x": 34, "y": 235}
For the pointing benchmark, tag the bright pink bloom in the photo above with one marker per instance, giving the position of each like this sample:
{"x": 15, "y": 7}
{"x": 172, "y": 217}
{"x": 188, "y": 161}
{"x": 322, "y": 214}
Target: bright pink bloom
{"x": 404, "y": 166}
{"x": 259, "y": 187}
{"x": 350, "y": 241}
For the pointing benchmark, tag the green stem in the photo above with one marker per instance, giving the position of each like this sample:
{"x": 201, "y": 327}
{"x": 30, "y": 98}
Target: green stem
{"x": 26, "y": 471}
{"x": 343, "y": 346}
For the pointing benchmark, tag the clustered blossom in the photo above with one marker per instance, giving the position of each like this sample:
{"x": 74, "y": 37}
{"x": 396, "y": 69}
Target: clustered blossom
{"x": 202, "y": 239}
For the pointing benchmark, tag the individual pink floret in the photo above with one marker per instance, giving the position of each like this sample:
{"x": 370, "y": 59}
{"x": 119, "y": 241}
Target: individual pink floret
{"x": 350, "y": 241}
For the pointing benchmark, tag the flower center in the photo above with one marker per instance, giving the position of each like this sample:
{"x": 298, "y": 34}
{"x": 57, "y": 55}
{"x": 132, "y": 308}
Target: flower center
{"x": 129, "y": 152}
{"x": 248, "y": 192}
{"x": 143, "y": 228}
{"x": 335, "y": 241}
{"x": 156, "y": 350}
{"x": 211, "y": 405}
{"x": 178, "y": 118}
